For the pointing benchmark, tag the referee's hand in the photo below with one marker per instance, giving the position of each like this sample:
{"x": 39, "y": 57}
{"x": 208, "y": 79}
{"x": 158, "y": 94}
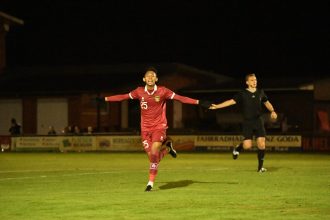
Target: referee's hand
{"x": 205, "y": 103}
{"x": 273, "y": 115}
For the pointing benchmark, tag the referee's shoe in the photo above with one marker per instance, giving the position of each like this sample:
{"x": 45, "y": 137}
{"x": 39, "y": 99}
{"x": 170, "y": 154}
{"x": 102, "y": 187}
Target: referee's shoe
{"x": 235, "y": 154}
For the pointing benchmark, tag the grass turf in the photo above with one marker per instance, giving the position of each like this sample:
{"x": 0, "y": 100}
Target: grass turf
{"x": 194, "y": 185}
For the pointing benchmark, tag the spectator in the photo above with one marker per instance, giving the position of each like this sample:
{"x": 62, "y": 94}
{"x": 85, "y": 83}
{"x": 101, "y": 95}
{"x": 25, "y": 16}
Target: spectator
{"x": 67, "y": 130}
{"x": 51, "y": 130}
{"x": 76, "y": 130}
{"x": 15, "y": 128}
{"x": 89, "y": 130}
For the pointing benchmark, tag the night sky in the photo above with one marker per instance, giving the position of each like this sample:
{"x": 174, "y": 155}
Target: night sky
{"x": 227, "y": 37}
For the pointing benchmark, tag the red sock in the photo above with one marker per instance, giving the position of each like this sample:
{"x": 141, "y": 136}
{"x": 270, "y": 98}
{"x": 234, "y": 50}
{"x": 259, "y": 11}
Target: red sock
{"x": 153, "y": 169}
{"x": 162, "y": 154}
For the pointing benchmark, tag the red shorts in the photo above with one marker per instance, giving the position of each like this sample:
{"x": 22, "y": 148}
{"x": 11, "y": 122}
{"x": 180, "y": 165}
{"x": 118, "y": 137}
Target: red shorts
{"x": 148, "y": 137}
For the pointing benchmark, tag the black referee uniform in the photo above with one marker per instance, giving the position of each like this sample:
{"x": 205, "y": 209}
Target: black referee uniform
{"x": 253, "y": 122}
{"x": 252, "y": 112}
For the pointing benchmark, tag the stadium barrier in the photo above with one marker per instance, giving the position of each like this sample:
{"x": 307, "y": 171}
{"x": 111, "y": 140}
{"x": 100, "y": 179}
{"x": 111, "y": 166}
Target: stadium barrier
{"x": 316, "y": 143}
{"x": 5, "y": 143}
{"x": 133, "y": 143}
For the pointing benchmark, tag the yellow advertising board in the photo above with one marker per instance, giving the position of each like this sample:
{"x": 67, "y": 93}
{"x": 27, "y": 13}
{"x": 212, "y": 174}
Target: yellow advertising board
{"x": 119, "y": 143}
{"x": 233, "y": 140}
{"x": 133, "y": 143}
{"x": 37, "y": 142}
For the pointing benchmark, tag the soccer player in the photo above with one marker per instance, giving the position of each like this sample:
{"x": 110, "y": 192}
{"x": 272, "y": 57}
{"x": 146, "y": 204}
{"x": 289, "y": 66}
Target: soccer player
{"x": 153, "y": 119}
{"x": 251, "y": 99}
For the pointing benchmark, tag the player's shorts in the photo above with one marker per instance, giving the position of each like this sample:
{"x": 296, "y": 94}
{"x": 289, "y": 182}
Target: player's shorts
{"x": 254, "y": 126}
{"x": 148, "y": 137}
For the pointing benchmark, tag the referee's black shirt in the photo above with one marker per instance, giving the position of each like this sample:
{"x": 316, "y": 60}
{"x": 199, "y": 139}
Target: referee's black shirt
{"x": 251, "y": 102}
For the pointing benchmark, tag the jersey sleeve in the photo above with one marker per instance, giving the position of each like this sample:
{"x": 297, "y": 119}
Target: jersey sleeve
{"x": 168, "y": 94}
{"x": 117, "y": 98}
{"x": 238, "y": 97}
{"x": 185, "y": 99}
{"x": 134, "y": 94}
{"x": 172, "y": 95}
{"x": 263, "y": 96}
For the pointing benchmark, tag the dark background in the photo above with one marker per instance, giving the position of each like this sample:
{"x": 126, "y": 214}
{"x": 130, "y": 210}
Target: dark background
{"x": 229, "y": 37}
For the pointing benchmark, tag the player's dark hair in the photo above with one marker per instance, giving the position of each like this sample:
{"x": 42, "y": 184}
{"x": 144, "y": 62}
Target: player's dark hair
{"x": 249, "y": 75}
{"x": 151, "y": 68}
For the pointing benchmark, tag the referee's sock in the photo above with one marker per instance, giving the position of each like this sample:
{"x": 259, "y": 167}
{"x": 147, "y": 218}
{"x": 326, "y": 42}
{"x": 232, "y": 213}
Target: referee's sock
{"x": 261, "y": 156}
{"x": 239, "y": 148}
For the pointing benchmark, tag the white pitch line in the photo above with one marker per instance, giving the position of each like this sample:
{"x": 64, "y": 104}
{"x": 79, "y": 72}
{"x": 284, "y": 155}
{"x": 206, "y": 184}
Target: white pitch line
{"x": 198, "y": 169}
{"x": 44, "y": 176}
{"x": 59, "y": 170}
{"x": 35, "y": 171}
{"x": 89, "y": 173}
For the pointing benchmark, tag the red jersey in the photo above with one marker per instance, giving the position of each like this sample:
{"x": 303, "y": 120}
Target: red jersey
{"x": 153, "y": 105}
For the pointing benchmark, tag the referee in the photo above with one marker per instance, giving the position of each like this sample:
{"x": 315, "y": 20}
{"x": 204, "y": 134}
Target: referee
{"x": 251, "y": 99}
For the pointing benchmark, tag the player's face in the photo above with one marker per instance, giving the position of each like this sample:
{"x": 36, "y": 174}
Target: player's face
{"x": 252, "y": 82}
{"x": 150, "y": 78}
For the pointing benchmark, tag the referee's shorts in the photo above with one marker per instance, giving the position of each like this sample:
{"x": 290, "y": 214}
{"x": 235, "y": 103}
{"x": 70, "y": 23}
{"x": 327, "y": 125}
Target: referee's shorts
{"x": 253, "y": 127}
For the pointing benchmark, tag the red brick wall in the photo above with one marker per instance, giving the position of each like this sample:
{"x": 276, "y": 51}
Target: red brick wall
{"x": 29, "y": 115}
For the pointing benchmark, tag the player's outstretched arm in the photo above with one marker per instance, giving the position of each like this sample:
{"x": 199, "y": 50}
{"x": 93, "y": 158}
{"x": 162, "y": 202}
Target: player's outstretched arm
{"x": 223, "y": 104}
{"x": 185, "y": 99}
{"x": 116, "y": 98}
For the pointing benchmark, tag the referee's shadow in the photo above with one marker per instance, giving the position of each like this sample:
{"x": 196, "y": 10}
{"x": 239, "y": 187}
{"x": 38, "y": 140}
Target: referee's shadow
{"x": 185, "y": 183}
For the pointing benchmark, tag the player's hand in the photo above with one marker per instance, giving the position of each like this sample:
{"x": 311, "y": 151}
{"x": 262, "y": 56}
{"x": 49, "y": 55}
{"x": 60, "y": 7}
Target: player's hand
{"x": 205, "y": 103}
{"x": 100, "y": 99}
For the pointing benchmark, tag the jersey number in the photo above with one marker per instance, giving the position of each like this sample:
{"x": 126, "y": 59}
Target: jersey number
{"x": 145, "y": 144}
{"x": 144, "y": 105}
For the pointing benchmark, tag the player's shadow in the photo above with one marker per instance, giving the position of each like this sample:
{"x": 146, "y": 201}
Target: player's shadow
{"x": 185, "y": 183}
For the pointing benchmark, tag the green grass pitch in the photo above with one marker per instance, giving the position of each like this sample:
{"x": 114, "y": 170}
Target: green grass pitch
{"x": 193, "y": 186}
